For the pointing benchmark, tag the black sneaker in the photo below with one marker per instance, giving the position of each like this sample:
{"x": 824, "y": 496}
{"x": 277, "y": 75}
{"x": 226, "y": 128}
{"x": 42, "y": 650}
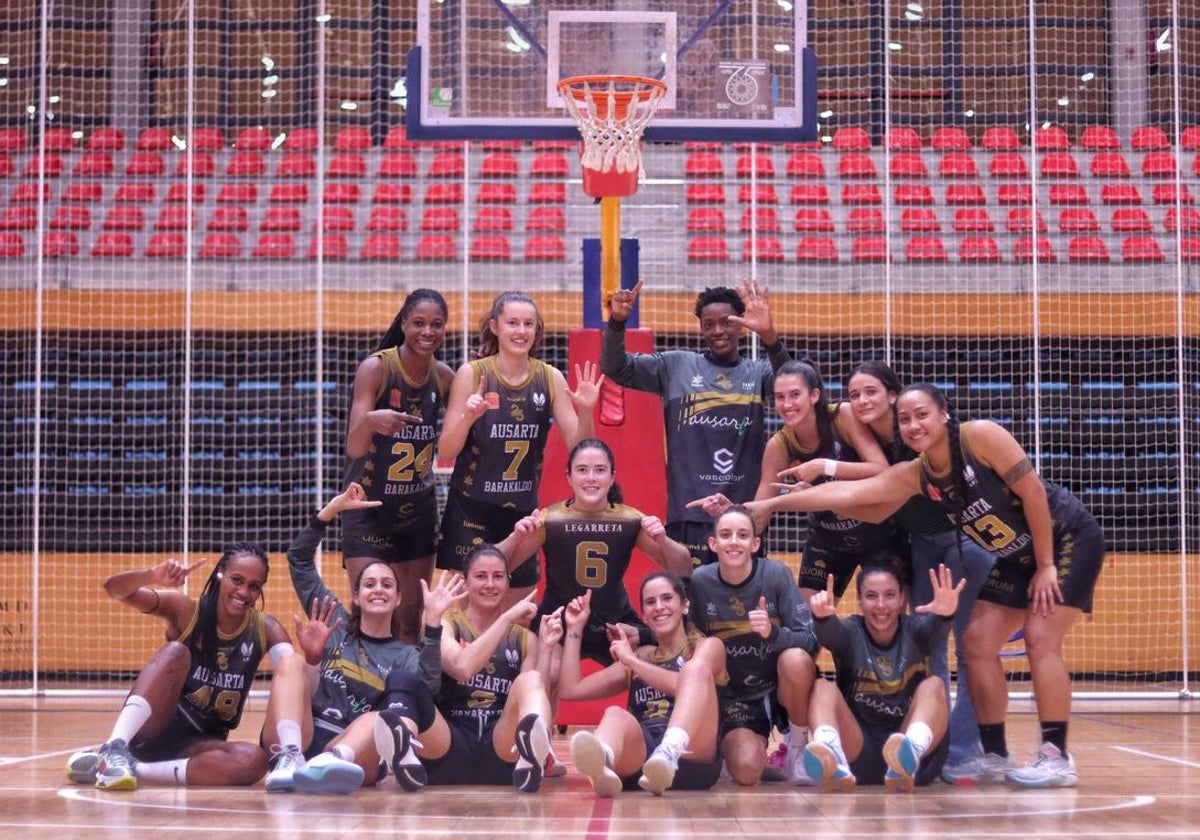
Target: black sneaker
{"x": 394, "y": 743}
{"x": 533, "y": 746}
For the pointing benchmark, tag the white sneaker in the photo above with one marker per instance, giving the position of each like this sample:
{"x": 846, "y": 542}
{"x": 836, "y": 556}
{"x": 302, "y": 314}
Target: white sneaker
{"x": 658, "y": 773}
{"x": 796, "y": 772}
{"x": 826, "y": 767}
{"x": 986, "y": 769}
{"x": 590, "y": 759}
{"x": 115, "y": 770}
{"x": 327, "y": 773}
{"x": 1050, "y": 769}
{"x": 287, "y": 760}
{"x": 533, "y": 749}
{"x": 81, "y": 767}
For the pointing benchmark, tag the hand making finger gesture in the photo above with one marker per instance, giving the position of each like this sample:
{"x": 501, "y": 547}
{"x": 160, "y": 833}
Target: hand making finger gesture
{"x": 523, "y": 611}
{"x": 354, "y": 497}
{"x": 385, "y": 421}
{"x": 945, "y": 593}
{"x": 714, "y": 505}
{"x": 172, "y": 572}
{"x": 824, "y": 603}
{"x": 313, "y": 633}
{"x": 621, "y": 305}
{"x": 477, "y": 404}
{"x": 551, "y": 629}
{"x": 450, "y": 591}
{"x": 578, "y": 610}
{"x": 760, "y": 618}
{"x": 588, "y": 380}
{"x": 757, "y": 316}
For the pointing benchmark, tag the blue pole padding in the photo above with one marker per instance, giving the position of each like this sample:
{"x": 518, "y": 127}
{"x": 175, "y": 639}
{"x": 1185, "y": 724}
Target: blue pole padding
{"x": 593, "y": 312}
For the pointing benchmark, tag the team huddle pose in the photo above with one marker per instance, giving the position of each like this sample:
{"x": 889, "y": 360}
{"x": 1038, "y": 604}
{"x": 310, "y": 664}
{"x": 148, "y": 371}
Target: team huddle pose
{"x": 942, "y": 526}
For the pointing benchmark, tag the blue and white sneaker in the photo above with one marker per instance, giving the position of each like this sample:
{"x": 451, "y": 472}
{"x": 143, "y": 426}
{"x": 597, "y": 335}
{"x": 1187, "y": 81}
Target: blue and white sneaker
{"x": 82, "y": 766}
{"x": 826, "y": 767}
{"x": 902, "y": 761}
{"x": 285, "y": 762}
{"x": 326, "y": 773}
{"x": 1050, "y": 769}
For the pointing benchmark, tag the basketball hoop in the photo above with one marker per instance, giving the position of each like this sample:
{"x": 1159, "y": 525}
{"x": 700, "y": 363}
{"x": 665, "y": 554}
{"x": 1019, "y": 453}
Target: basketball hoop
{"x": 612, "y": 112}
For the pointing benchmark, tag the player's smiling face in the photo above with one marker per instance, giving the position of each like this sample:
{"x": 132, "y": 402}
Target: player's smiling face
{"x": 922, "y": 421}
{"x": 662, "y": 608}
{"x": 516, "y": 328}
{"x": 870, "y": 398}
{"x": 487, "y": 581}
{"x": 425, "y": 328}
{"x": 719, "y": 333}
{"x": 794, "y": 400}
{"x": 378, "y": 593}
{"x": 242, "y": 582}
{"x": 590, "y": 476}
{"x": 733, "y": 539}
{"x": 881, "y": 600}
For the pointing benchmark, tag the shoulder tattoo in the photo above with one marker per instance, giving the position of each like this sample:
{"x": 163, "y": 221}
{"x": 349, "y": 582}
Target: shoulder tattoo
{"x": 1018, "y": 471}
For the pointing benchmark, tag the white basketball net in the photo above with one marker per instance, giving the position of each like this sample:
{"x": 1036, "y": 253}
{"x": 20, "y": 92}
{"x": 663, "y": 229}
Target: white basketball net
{"x": 609, "y": 141}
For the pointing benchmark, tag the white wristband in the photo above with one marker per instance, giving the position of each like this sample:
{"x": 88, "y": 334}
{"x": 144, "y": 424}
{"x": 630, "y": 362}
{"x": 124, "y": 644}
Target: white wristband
{"x": 830, "y": 467}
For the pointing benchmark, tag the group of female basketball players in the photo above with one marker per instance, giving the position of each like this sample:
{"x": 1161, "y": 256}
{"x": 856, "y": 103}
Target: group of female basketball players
{"x": 455, "y": 682}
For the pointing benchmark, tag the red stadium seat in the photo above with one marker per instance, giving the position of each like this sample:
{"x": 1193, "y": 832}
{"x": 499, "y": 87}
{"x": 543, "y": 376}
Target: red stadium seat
{"x": 58, "y": 140}
{"x": 1008, "y": 165}
{"x": 1023, "y": 249}
{"x": 1014, "y": 194}
{"x": 145, "y": 164}
{"x": 29, "y": 193}
{"x": 978, "y": 249}
{"x": 1021, "y": 220}
{"x": 928, "y": 249}
{"x": 869, "y": 249}
{"x": 347, "y": 165}
{"x": 301, "y": 140}
{"x": 1099, "y": 138}
{"x": 1159, "y": 165}
{"x": 708, "y": 249}
{"x": 902, "y": 139}
{"x": 865, "y": 220}
{"x": 757, "y": 194}
{"x": 207, "y": 139}
{"x": 447, "y": 165}
{"x": 496, "y": 194}
{"x": 246, "y": 165}
{"x": 502, "y": 145}
{"x": 1078, "y": 220}
{"x": 499, "y": 165}
{"x": 237, "y": 194}
{"x": 491, "y": 247}
{"x": 437, "y": 246}
{"x": 547, "y": 247}
{"x": 705, "y": 194}
{"x": 1168, "y": 194}
{"x": 12, "y": 245}
{"x": 854, "y": 194}
{"x": 907, "y": 165}
{"x": 288, "y": 194}
{"x": 394, "y": 194}
{"x": 71, "y": 217}
{"x": 701, "y": 146}
{"x": 125, "y": 217}
{"x": 758, "y": 166}
{"x": 352, "y": 138}
{"x": 167, "y": 245}
{"x": 548, "y": 194}
{"x": 229, "y": 219}
{"x": 389, "y": 219}
{"x": 492, "y": 220}
{"x": 850, "y": 138}
{"x": 7, "y": 167}
{"x": 83, "y": 192}
{"x": 175, "y": 217}
{"x": 341, "y": 193}
{"x": 764, "y": 249}
{"x": 18, "y": 217}
{"x": 1144, "y": 249}
{"x": 1131, "y": 220}
{"x": 281, "y": 219}
{"x": 93, "y": 165}
{"x": 816, "y": 249}
{"x": 440, "y": 219}
{"x": 1068, "y": 194}
{"x": 274, "y": 246}
{"x": 809, "y": 194}
{"x": 1120, "y": 194}
{"x": 50, "y": 161}
{"x": 912, "y": 194}
{"x": 1109, "y": 165}
{"x": 179, "y": 193}
{"x": 111, "y": 244}
{"x": 398, "y": 165}
{"x": 200, "y": 164}
{"x": 135, "y": 193}
{"x": 951, "y": 138}
{"x": 1189, "y": 249}
{"x": 703, "y": 165}
{"x": 555, "y": 145}
{"x": 445, "y": 194}
{"x": 336, "y": 218}
{"x": 920, "y": 220}
{"x": 12, "y": 140}
{"x": 856, "y": 165}
{"x": 1149, "y": 138}
{"x": 706, "y": 220}
{"x": 1188, "y": 219}
{"x": 329, "y": 246}
{"x": 296, "y": 165}
{"x": 60, "y": 244}
{"x": 549, "y": 165}
{"x": 1059, "y": 165}
{"x": 761, "y": 219}
{"x": 1000, "y": 139}
{"x": 1051, "y": 138}
{"x": 1088, "y": 249}
{"x": 254, "y": 139}
{"x": 105, "y": 139}
{"x": 805, "y": 165}
{"x": 546, "y": 218}
{"x": 395, "y": 139}
{"x": 973, "y": 220}
{"x": 957, "y": 194}
{"x": 381, "y": 246}
{"x": 957, "y": 165}
{"x": 813, "y": 220}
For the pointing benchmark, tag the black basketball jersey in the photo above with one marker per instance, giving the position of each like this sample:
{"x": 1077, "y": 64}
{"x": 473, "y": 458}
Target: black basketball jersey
{"x": 481, "y": 697}
{"x": 589, "y": 551}
{"x": 219, "y": 680}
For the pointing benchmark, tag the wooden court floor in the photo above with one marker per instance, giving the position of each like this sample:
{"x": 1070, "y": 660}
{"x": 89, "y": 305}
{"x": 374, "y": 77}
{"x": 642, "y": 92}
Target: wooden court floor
{"x": 1139, "y": 766}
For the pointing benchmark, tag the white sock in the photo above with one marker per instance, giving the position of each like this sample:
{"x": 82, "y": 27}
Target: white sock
{"x": 163, "y": 772}
{"x": 830, "y": 737}
{"x": 289, "y": 734}
{"x": 131, "y": 718}
{"x": 921, "y": 737}
{"x": 796, "y": 736}
{"x": 675, "y": 739}
{"x": 345, "y": 752}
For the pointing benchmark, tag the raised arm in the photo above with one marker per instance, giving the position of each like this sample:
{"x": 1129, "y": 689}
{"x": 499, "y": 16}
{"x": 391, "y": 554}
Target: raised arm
{"x": 141, "y": 589}
{"x": 526, "y": 538}
{"x": 463, "y": 662}
{"x": 873, "y": 499}
{"x": 464, "y": 406}
{"x": 670, "y": 555}
{"x": 306, "y": 580}
{"x": 571, "y": 684}
{"x": 575, "y": 416}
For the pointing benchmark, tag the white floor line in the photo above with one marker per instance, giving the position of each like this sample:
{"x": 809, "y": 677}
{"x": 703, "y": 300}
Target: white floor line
{"x": 1167, "y": 758}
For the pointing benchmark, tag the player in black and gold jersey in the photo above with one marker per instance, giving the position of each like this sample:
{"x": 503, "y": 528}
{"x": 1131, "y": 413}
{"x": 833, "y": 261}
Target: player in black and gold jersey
{"x": 668, "y": 728}
{"x": 173, "y": 726}
{"x": 497, "y": 423}
{"x": 391, "y": 437}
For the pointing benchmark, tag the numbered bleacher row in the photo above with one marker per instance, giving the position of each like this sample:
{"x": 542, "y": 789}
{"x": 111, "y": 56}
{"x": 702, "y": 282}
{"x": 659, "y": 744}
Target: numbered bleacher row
{"x": 283, "y": 196}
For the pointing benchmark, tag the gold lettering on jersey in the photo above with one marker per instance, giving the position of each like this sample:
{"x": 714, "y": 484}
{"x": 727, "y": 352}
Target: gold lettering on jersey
{"x": 592, "y": 527}
{"x": 521, "y": 431}
{"x": 209, "y": 677}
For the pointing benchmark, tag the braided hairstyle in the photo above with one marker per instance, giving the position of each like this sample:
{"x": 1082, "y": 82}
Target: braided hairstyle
{"x": 615, "y": 496}
{"x": 808, "y": 373}
{"x": 958, "y": 499}
{"x": 489, "y": 344}
{"x": 896, "y": 450}
{"x": 394, "y": 337}
{"x": 206, "y": 618}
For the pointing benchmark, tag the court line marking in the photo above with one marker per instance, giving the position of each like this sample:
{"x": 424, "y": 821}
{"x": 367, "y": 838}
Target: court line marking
{"x": 8, "y": 761}
{"x": 1169, "y": 759}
